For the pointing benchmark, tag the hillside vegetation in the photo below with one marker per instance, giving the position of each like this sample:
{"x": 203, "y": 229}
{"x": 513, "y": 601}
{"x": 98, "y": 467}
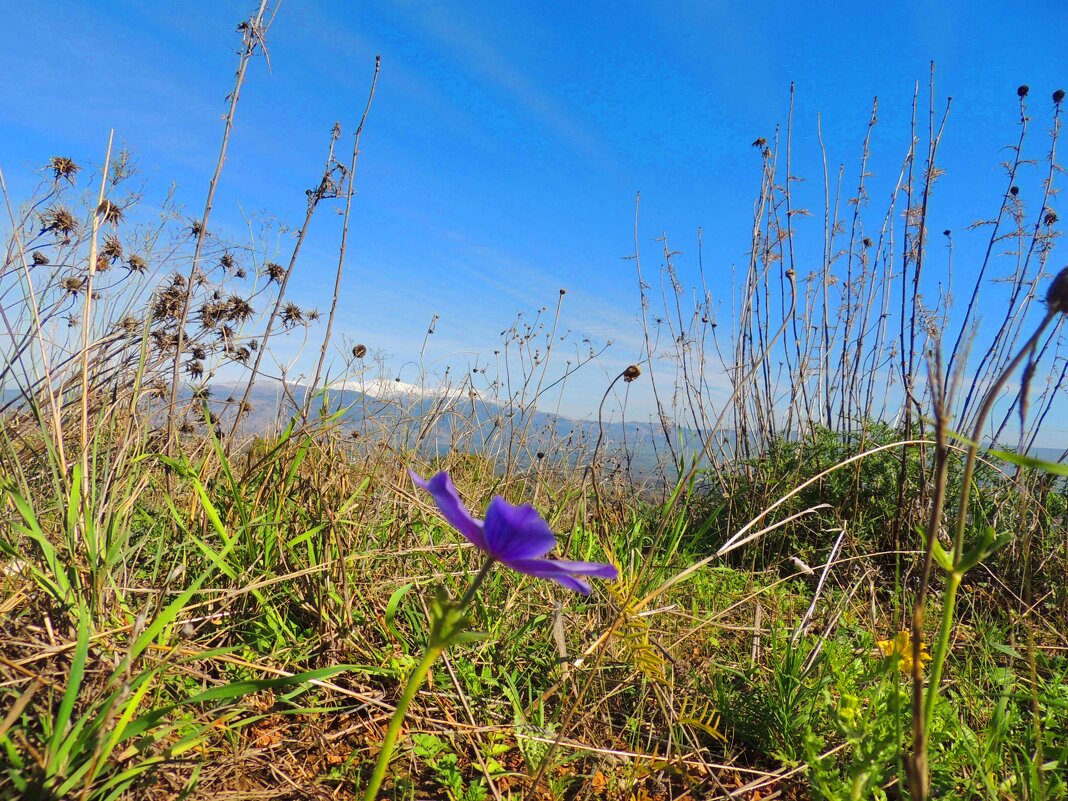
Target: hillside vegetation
{"x": 841, "y": 575}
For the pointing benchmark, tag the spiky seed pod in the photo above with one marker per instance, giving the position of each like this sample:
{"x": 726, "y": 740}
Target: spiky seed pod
{"x": 63, "y": 167}
{"x": 198, "y": 353}
{"x": 1057, "y": 296}
{"x": 631, "y": 373}
{"x": 129, "y": 324}
{"x": 111, "y": 250}
{"x": 39, "y": 258}
{"x": 110, "y": 212}
{"x": 1022, "y": 90}
{"x": 292, "y": 315}
{"x": 275, "y": 272}
{"x": 136, "y": 264}
{"x": 238, "y": 310}
{"x": 1014, "y": 190}
{"x": 226, "y": 261}
{"x": 1058, "y": 96}
{"x": 240, "y": 273}
{"x": 60, "y": 220}
{"x": 1050, "y": 218}
{"x": 73, "y": 284}
{"x": 359, "y": 351}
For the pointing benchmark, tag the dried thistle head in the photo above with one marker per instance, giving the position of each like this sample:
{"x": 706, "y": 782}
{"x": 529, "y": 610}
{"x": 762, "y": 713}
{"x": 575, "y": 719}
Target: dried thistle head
{"x": 631, "y": 373}
{"x": 39, "y": 258}
{"x": 59, "y": 220}
{"x": 1057, "y": 295}
{"x": 227, "y": 261}
{"x": 292, "y": 315}
{"x": 242, "y": 354}
{"x": 72, "y": 283}
{"x": 63, "y": 167}
{"x": 1058, "y": 96}
{"x": 359, "y": 351}
{"x": 111, "y": 249}
{"x": 136, "y": 264}
{"x": 238, "y": 310}
{"x": 129, "y": 325}
{"x": 1022, "y": 90}
{"x": 196, "y": 228}
{"x": 274, "y": 272}
{"x": 110, "y": 212}
{"x": 195, "y": 368}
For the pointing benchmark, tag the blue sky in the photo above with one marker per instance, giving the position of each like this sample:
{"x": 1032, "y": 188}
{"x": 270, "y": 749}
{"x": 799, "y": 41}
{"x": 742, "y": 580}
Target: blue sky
{"x": 507, "y": 142}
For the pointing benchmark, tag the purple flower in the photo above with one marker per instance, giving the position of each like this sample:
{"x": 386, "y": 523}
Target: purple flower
{"x": 515, "y": 536}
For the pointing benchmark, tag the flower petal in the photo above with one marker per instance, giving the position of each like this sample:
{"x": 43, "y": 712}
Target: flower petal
{"x": 564, "y": 572}
{"x": 516, "y": 532}
{"x": 452, "y": 508}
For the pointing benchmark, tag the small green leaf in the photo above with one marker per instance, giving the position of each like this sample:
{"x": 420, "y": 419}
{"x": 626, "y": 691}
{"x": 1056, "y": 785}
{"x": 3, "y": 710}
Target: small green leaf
{"x": 391, "y": 614}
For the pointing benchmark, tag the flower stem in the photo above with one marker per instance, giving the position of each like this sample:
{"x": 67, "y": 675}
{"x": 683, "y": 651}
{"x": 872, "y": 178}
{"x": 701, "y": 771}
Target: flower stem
{"x": 393, "y": 732}
{"x": 470, "y": 594}
{"x": 416, "y": 679}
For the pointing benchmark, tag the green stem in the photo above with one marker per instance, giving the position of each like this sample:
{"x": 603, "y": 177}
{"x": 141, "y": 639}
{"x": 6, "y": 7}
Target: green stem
{"x": 949, "y": 602}
{"x": 938, "y": 657}
{"x": 433, "y": 651}
{"x": 393, "y": 732}
{"x": 470, "y": 594}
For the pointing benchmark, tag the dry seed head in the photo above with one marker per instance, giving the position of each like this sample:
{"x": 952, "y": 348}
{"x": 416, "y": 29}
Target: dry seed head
{"x": 111, "y": 250}
{"x": 359, "y": 351}
{"x": 1057, "y": 295}
{"x": 63, "y": 167}
{"x": 109, "y": 211}
{"x": 631, "y": 373}
{"x": 73, "y": 284}
{"x": 60, "y": 220}
{"x": 1058, "y": 96}
{"x": 275, "y": 272}
{"x": 1022, "y": 90}
{"x": 292, "y": 315}
{"x": 136, "y": 264}
{"x": 39, "y": 258}
{"x": 1014, "y": 190}
{"x": 1050, "y": 218}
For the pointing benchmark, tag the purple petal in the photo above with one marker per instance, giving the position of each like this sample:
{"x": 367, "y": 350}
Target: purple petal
{"x": 452, "y": 508}
{"x": 564, "y": 572}
{"x": 516, "y": 532}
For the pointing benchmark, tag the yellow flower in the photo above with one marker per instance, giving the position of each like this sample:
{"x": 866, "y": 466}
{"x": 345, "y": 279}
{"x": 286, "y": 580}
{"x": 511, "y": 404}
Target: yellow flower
{"x": 901, "y": 647}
